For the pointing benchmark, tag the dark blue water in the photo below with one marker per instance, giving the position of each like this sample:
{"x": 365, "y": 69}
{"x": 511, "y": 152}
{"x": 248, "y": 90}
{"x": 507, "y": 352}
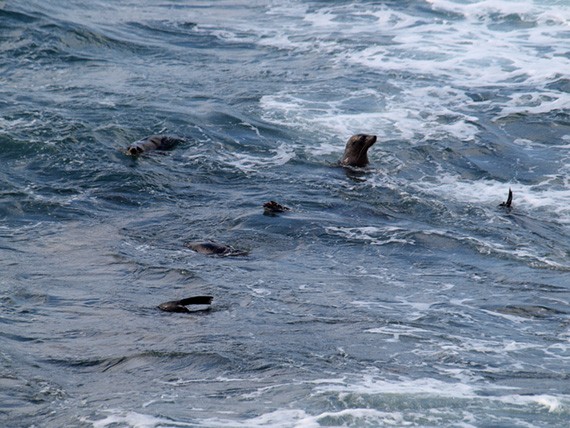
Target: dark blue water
{"x": 396, "y": 295}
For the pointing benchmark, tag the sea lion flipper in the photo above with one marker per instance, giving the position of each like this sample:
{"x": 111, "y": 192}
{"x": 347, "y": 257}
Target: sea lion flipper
{"x": 198, "y": 300}
{"x": 180, "y": 305}
{"x": 509, "y": 201}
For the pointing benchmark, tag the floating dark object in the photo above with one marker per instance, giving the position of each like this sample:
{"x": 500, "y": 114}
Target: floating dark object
{"x": 274, "y": 207}
{"x": 154, "y": 142}
{"x": 180, "y": 305}
{"x": 211, "y": 248}
{"x": 507, "y": 204}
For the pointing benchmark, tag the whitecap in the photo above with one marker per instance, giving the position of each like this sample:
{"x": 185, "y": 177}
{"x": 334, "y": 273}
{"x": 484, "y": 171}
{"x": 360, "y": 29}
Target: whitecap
{"x": 447, "y": 57}
{"x": 247, "y": 162}
{"x": 540, "y": 197}
{"x": 373, "y": 235}
{"x": 296, "y": 418}
{"x": 132, "y": 419}
{"x": 398, "y": 331}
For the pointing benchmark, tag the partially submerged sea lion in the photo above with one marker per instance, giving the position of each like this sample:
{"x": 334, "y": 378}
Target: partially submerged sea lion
{"x": 210, "y": 248}
{"x": 356, "y": 151}
{"x": 180, "y": 305}
{"x": 507, "y": 204}
{"x": 274, "y": 207}
{"x": 530, "y": 311}
{"x": 154, "y": 142}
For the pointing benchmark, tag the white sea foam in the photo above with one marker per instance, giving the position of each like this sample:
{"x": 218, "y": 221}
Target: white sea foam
{"x": 373, "y": 235}
{"x": 468, "y": 388}
{"x": 543, "y": 198}
{"x": 286, "y": 418}
{"x": 281, "y": 418}
{"x": 132, "y": 419}
{"x": 398, "y": 331}
{"x": 373, "y": 384}
{"x": 486, "y": 46}
{"x": 249, "y": 163}
{"x": 356, "y": 391}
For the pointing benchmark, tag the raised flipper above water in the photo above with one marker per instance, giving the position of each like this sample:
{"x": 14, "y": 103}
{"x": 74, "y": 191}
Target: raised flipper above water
{"x": 507, "y": 204}
{"x": 180, "y": 305}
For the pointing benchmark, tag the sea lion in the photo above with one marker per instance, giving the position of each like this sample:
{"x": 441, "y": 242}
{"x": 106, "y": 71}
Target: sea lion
{"x": 154, "y": 142}
{"x": 507, "y": 204}
{"x": 356, "y": 151}
{"x": 530, "y": 311}
{"x": 180, "y": 305}
{"x": 274, "y": 207}
{"x": 210, "y": 248}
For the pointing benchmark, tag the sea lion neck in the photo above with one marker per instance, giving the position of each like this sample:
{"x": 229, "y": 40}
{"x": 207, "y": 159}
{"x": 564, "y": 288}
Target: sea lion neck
{"x": 356, "y": 150}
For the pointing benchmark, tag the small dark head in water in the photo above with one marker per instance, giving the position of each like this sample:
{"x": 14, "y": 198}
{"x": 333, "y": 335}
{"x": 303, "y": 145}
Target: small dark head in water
{"x": 180, "y": 305}
{"x": 356, "y": 151}
{"x": 154, "y": 142}
{"x": 211, "y": 248}
{"x": 274, "y": 207}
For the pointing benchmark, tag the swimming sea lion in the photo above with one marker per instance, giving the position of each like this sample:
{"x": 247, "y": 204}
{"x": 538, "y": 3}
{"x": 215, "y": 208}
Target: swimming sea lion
{"x": 356, "y": 151}
{"x": 211, "y": 248}
{"x": 180, "y": 305}
{"x": 509, "y": 200}
{"x": 530, "y": 311}
{"x": 274, "y": 207}
{"x": 154, "y": 142}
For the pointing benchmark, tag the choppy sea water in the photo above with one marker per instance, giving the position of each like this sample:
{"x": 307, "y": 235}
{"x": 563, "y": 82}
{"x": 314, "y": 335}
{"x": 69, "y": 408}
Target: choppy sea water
{"x": 396, "y": 295}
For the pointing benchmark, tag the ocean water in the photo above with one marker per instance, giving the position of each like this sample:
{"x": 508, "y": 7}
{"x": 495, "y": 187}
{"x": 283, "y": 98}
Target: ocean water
{"x": 397, "y": 295}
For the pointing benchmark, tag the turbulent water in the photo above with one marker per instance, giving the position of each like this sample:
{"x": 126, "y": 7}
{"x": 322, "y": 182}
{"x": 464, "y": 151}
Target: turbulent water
{"x": 399, "y": 294}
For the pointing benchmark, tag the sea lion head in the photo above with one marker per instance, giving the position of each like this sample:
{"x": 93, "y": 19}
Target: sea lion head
{"x": 154, "y": 142}
{"x": 356, "y": 151}
{"x": 134, "y": 150}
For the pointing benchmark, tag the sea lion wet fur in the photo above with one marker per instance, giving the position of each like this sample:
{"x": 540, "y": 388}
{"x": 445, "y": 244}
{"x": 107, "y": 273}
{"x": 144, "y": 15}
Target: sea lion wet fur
{"x": 356, "y": 150}
{"x": 274, "y": 207}
{"x": 154, "y": 142}
{"x": 211, "y": 248}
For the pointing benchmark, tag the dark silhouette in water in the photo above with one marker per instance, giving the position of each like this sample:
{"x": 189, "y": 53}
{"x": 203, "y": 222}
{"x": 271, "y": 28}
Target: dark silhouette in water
{"x": 180, "y": 305}
{"x": 356, "y": 150}
{"x": 154, "y": 142}
{"x": 210, "y": 248}
{"x": 507, "y": 204}
{"x": 274, "y": 207}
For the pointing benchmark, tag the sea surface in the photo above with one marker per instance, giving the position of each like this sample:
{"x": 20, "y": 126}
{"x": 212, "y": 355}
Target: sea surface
{"x": 396, "y": 295}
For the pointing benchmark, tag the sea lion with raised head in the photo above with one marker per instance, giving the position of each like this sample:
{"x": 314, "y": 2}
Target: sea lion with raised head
{"x": 356, "y": 151}
{"x": 180, "y": 305}
{"x": 154, "y": 142}
{"x": 211, "y": 248}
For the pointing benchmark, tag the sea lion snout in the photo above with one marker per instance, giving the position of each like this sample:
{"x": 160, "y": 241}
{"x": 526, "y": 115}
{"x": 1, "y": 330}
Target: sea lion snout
{"x": 356, "y": 151}
{"x": 133, "y": 151}
{"x": 372, "y": 139}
